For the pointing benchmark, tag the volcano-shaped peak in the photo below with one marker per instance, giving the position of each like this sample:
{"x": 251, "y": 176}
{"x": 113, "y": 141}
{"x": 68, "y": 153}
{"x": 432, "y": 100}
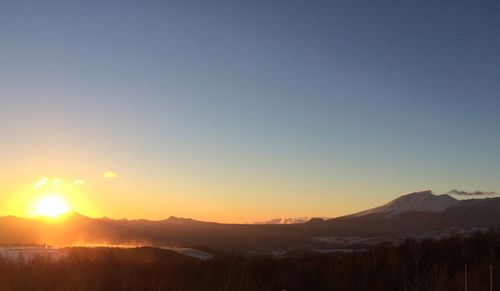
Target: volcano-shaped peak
{"x": 417, "y": 201}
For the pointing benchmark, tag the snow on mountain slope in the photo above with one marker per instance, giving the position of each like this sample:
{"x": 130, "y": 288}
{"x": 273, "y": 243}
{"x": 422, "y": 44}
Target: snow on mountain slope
{"x": 417, "y": 201}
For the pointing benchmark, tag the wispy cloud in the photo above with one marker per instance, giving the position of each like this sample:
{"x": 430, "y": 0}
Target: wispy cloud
{"x": 270, "y": 221}
{"x": 289, "y": 220}
{"x": 79, "y": 182}
{"x": 49, "y": 183}
{"x": 110, "y": 175}
{"x": 40, "y": 183}
{"x": 467, "y": 193}
{"x": 286, "y": 220}
{"x": 57, "y": 182}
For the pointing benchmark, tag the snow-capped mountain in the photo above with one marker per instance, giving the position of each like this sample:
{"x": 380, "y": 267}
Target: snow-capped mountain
{"x": 416, "y": 201}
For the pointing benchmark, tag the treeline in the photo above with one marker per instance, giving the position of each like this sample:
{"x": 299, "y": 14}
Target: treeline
{"x": 412, "y": 265}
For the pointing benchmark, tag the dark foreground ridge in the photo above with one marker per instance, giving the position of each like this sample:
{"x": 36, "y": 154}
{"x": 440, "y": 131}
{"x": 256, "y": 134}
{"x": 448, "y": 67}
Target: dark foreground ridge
{"x": 413, "y": 265}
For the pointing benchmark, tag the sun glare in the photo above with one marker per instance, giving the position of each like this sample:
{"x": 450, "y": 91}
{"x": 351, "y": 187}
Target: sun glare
{"x": 52, "y": 206}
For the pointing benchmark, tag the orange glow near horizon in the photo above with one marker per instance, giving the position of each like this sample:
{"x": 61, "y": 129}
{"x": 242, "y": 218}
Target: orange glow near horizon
{"x": 91, "y": 194}
{"x": 50, "y": 198}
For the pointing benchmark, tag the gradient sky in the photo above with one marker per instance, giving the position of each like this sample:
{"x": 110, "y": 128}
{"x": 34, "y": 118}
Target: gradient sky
{"x": 241, "y": 111}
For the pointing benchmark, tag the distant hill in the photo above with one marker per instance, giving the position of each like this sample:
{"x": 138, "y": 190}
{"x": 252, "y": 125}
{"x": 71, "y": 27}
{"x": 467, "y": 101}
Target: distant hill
{"x": 411, "y": 214}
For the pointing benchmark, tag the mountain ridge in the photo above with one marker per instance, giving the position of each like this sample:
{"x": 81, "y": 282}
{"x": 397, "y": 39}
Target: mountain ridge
{"x": 393, "y": 219}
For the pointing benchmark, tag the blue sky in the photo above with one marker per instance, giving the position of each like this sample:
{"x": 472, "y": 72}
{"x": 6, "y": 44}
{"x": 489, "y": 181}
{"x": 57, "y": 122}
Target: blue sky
{"x": 309, "y": 107}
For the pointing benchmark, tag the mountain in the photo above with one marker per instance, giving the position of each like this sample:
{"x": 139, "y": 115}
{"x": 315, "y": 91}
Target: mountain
{"x": 417, "y": 201}
{"x": 416, "y": 213}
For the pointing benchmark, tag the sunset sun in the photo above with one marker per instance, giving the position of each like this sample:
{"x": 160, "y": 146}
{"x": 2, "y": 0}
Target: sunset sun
{"x": 52, "y": 206}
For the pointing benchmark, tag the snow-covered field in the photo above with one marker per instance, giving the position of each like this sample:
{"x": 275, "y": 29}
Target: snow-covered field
{"x": 29, "y": 253}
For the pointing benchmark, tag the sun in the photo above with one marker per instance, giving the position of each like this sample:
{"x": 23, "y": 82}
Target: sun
{"x": 52, "y": 206}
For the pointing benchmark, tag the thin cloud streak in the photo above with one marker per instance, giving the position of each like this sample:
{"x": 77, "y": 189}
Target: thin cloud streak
{"x": 110, "y": 175}
{"x": 467, "y": 193}
{"x": 79, "y": 182}
{"x": 286, "y": 220}
{"x": 40, "y": 183}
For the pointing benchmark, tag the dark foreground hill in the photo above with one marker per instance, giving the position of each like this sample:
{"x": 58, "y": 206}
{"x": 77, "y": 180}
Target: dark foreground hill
{"x": 412, "y": 265}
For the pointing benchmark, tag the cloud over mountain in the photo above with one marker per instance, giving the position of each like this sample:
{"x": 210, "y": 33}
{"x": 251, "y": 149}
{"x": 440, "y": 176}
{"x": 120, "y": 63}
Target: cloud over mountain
{"x": 286, "y": 220}
{"x": 467, "y": 193}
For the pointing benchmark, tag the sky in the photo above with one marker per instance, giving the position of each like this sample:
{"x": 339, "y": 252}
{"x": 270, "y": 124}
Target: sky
{"x": 242, "y": 111}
